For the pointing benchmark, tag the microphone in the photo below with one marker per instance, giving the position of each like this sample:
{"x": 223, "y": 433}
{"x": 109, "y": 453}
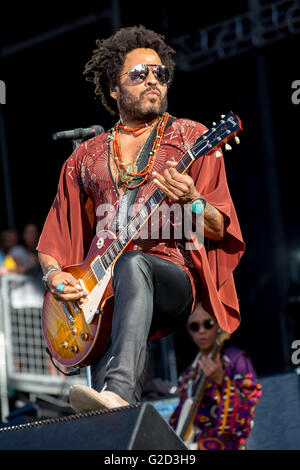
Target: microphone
{"x": 79, "y": 133}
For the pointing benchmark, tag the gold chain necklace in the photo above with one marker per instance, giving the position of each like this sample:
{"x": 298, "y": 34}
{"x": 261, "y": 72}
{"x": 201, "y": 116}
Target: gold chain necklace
{"x": 127, "y": 172}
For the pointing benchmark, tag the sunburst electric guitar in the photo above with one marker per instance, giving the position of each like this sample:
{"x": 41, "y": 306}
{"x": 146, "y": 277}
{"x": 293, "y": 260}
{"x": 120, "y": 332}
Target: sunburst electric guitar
{"x": 76, "y": 334}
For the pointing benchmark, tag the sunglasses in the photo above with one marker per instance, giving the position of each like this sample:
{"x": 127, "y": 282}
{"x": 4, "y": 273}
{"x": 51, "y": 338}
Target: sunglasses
{"x": 140, "y": 72}
{"x": 208, "y": 325}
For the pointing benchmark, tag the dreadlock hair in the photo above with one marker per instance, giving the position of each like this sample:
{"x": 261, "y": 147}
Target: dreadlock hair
{"x": 107, "y": 60}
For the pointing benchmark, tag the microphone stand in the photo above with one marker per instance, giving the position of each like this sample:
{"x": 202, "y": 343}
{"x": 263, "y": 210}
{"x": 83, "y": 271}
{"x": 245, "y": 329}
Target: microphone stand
{"x": 75, "y": 144}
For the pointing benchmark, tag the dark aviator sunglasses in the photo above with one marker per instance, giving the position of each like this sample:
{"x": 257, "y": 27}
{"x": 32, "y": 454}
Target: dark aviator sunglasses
{"x": 140, "y": 72}
{"x": 195, "y": 326}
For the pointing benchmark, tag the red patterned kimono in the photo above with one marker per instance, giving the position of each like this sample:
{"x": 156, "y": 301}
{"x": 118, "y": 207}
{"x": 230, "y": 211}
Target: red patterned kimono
{"x": 86, "y": 184}
{"x": 226, "y": 413}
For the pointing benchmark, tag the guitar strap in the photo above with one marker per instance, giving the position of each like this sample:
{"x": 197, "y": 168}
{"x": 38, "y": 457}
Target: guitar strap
{"x": 122, "y": 216}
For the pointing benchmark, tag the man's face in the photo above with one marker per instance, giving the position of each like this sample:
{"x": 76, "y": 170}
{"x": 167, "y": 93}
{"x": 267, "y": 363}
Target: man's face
{"x": 143, "y": 101}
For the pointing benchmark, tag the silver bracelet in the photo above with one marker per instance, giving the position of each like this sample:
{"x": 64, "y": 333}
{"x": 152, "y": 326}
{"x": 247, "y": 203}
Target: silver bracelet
{"x": 45, "y": 277}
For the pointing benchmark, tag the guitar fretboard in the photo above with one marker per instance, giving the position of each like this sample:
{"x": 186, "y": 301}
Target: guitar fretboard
{"x": 136, "y": 223}
{"x": 221, "y": 132}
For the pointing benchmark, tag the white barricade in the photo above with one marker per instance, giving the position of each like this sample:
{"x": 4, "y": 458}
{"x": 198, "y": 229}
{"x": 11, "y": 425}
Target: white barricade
{"x": 28, "y": 366}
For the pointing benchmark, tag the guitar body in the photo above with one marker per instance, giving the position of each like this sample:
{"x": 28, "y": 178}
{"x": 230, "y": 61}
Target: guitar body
{"x": 76, "y": 334}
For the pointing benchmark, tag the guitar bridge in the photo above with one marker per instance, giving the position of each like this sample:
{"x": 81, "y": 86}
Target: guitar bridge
{"x": 75, "y": 307}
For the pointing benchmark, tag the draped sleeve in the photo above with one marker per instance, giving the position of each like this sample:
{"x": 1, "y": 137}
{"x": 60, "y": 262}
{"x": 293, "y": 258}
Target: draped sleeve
{"x": 68, "y": 229}
{"x": 216, "y": 265}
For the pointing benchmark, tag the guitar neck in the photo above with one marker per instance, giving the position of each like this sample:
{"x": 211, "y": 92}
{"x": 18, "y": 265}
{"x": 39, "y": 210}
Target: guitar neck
{"x": 228, "y": 127}
{"x": 136, "y": 223}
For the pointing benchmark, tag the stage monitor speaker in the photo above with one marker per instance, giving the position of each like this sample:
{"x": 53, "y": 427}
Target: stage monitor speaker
{"x": 137, "y": 427}
{"x": 277, "y": 415}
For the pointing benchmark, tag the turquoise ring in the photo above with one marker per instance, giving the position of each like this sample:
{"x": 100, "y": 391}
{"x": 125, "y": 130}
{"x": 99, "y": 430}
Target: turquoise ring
{"x": 60, "y": 287}
{"x": 198, "y": 206}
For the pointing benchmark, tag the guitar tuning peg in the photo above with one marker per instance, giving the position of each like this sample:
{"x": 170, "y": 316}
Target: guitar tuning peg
{"x": 222, "y": 116}
{"x": 237, "y": 140}
{"x": 214, "y": 123}
{"x": 228, "y": 147}
{"x": 218, "y": 154}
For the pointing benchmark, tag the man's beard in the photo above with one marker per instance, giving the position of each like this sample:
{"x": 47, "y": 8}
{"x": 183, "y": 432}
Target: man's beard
{"x": 132, "y": 109}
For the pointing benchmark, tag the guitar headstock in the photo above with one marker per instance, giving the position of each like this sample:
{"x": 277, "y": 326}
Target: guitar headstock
{"x": 227, "y": 128}
{"x": 222, "y": 337}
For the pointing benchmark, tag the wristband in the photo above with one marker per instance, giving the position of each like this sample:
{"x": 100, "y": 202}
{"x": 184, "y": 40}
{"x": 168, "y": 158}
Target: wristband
{"x": 45, "y": 277}
{"x": 198, "y": 205}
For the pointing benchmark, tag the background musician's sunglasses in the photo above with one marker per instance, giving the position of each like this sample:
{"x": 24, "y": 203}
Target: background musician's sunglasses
{"x": 195, "y": 326}
{"x": 140, "y": 72}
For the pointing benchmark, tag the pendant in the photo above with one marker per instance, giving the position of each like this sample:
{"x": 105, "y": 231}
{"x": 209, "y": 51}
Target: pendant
{"x": 131, "y": 170}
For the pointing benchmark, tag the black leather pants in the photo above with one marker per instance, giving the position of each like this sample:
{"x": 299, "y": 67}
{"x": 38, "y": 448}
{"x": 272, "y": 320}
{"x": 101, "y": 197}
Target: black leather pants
{"x": 150, "y": 294}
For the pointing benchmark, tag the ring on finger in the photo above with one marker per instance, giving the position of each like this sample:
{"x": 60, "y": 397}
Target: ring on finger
{"x": 60, "y": 287}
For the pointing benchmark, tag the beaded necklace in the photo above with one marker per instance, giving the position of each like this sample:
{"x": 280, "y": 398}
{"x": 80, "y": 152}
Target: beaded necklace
{"x": 137, "y": 130}
{"x": 127, "y": 172}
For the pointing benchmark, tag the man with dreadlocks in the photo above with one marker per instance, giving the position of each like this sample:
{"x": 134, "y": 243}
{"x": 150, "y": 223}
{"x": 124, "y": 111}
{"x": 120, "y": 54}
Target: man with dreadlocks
{"x": 156, "y": 285}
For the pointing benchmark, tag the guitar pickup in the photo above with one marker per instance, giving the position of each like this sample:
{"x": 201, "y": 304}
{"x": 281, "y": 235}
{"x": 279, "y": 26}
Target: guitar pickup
{"x": 75, "y": 307}
{"x": 68, "y": 313}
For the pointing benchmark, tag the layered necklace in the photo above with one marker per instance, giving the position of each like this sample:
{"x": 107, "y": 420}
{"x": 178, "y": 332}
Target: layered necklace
{"x": 127, "y": 172}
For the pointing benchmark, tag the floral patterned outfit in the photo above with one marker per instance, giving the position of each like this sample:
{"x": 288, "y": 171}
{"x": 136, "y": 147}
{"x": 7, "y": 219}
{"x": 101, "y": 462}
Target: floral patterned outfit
{"x": 225, "y": 416}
